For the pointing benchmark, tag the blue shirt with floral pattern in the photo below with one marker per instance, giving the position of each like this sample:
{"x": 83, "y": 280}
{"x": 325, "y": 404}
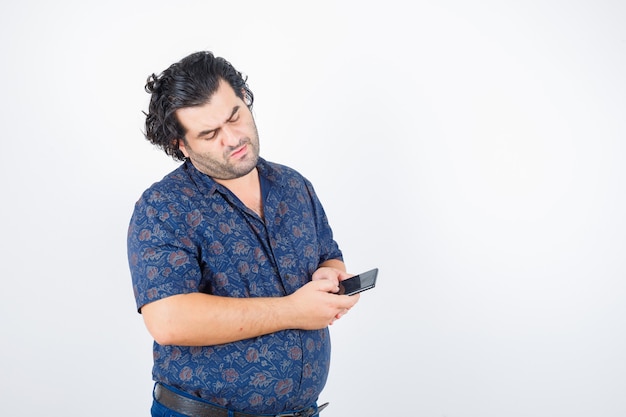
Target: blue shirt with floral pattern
{"x": 190, "y": 234}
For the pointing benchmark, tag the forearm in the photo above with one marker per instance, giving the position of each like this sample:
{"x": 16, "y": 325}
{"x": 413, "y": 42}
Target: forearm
{"x": 199, "y": 319}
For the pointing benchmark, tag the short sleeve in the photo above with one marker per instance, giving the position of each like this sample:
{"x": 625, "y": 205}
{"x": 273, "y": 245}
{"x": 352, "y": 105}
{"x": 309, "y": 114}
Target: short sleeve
{"x": 162, "y": 256}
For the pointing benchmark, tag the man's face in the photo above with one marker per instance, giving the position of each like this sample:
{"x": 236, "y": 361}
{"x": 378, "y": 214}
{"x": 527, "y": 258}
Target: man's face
{"x": 221, "y": 138}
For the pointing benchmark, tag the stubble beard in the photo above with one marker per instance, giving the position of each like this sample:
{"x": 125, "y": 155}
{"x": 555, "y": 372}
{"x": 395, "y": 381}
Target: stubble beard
{"x": 224, "y": 169}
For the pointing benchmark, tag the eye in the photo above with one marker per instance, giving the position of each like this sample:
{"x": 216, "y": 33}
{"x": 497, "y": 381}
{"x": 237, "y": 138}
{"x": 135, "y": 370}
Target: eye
{"x": 210, "y": 135}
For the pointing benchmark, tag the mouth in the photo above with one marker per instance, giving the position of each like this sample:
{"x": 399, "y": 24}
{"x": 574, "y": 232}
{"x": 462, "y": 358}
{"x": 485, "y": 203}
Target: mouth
{"x": 240, "y": 152}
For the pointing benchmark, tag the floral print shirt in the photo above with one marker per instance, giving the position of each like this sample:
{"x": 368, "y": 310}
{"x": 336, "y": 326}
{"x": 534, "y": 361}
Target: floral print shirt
{"x": 190, "y": 234}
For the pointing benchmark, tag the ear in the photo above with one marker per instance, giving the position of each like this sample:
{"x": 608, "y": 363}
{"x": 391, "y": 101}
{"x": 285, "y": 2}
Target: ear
{"x": 182, "y": 147}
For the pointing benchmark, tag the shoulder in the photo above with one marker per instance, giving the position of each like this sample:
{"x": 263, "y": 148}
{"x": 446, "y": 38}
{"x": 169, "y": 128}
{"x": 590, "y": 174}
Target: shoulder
{"x": 178, "y": 183}
{"x": 172, "y": 182}
{"x": 172, "y": 193}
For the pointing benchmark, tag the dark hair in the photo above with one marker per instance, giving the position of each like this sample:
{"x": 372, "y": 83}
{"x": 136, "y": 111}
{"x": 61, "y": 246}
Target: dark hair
{"x": 190, "y": 82}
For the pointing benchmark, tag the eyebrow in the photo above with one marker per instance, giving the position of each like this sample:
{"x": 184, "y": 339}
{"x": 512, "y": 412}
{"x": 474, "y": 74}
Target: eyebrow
{"x": 208, "y": 132}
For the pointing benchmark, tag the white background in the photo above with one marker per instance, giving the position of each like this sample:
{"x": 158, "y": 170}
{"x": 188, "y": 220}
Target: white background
{"x": 473, "y": 151}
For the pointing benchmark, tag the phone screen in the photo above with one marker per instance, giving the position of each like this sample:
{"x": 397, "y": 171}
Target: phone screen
{"x": 358, "y": 283}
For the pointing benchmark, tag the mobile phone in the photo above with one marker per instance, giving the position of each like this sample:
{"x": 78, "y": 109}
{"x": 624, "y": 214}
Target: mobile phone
{"x": 358, "y": 283}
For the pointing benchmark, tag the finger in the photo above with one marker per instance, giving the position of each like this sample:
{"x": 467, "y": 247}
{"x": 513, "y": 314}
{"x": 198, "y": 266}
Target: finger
{"x": 342, "y": 313}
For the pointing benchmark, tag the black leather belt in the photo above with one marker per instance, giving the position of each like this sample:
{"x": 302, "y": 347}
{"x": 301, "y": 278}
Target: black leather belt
{"x": 195, "y": 408}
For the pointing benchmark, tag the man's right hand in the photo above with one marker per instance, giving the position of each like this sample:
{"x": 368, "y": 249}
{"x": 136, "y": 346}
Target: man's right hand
{"x": 315, "y": 305}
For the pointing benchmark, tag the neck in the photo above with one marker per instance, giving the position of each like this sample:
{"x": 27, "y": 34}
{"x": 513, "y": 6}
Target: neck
{"x": 247, "y": 189}
{"x": 246, "y": 183}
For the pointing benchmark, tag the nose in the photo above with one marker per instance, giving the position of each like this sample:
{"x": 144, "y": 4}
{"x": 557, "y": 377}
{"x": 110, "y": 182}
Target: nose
{"x": 229, "y": 136}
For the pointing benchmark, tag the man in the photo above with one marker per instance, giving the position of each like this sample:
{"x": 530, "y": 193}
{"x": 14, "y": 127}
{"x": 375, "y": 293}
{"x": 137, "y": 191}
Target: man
{"x": 233, "y": 262}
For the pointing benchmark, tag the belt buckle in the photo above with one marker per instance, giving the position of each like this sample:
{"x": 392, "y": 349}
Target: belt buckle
{"x": 307, "y": 412}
